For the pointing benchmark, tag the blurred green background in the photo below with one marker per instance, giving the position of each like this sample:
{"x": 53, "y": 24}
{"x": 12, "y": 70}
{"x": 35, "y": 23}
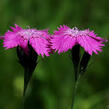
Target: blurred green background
{"x": 52, "y": 82}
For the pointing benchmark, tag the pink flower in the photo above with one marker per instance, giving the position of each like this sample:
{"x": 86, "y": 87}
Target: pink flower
{"x": 38, "y": 39}
{"x": 66, "y": 38}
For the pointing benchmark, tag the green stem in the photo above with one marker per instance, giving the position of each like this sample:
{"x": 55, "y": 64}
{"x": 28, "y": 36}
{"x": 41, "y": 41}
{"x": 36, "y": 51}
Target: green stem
{"x": 26, "y": 81}
{"x": 74, "y": 92}
{"x": 26, "y": 72}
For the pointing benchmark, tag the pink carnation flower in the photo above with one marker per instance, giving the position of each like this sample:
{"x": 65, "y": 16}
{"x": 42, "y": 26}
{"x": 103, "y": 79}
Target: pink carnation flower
{"x": 65, "y": 38}
{"x": 38, "y": 39}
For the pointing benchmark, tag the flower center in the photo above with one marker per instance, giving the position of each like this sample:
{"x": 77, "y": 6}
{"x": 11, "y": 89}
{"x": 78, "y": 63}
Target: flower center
{"x": 28, "y": 33}
{"x": 75, "y": 32}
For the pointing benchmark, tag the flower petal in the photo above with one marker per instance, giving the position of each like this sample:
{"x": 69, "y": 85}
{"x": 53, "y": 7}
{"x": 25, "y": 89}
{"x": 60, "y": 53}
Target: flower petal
{"x": 62, "y": 43}
{"x": 61, "y": 29}
{"x": 40, "y": 45}
{"x": 23, "y": 43}
{"x": 16, "y": 28}
{"x": 94, "y": 36}
{"x": 10, "y": 40}
{"x": 89, "y": 44}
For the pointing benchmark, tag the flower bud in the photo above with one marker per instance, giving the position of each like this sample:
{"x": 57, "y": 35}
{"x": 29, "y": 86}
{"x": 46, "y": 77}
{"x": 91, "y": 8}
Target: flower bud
{"x": 29, "y": 62}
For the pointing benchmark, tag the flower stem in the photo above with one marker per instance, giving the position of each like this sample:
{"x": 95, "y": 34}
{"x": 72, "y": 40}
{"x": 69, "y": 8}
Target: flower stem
{"x": 27, "y": 77}
{"x": 74, "y": 92}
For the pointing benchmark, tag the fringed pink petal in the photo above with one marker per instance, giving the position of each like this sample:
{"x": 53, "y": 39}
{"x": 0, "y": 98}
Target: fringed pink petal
{"x": 10, "y": 40}
{"x": 94, "y": 36}
{"x": 62, "y": 43}
{"x": 16, "y": 28}
{"x": 39, "y": 44}
{"x": 23, "y": 43}
{"x": 61, "y": 29}
{"x": 89, "y": 44}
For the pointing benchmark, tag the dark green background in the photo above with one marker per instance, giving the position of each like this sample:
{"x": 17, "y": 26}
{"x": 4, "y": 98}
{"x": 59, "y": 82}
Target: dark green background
{"x": 52, "y": 83}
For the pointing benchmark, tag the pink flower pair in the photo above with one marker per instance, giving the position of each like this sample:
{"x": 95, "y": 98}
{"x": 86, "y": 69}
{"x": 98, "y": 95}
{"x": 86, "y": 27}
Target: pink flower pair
{"x": 62, "y": 40}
